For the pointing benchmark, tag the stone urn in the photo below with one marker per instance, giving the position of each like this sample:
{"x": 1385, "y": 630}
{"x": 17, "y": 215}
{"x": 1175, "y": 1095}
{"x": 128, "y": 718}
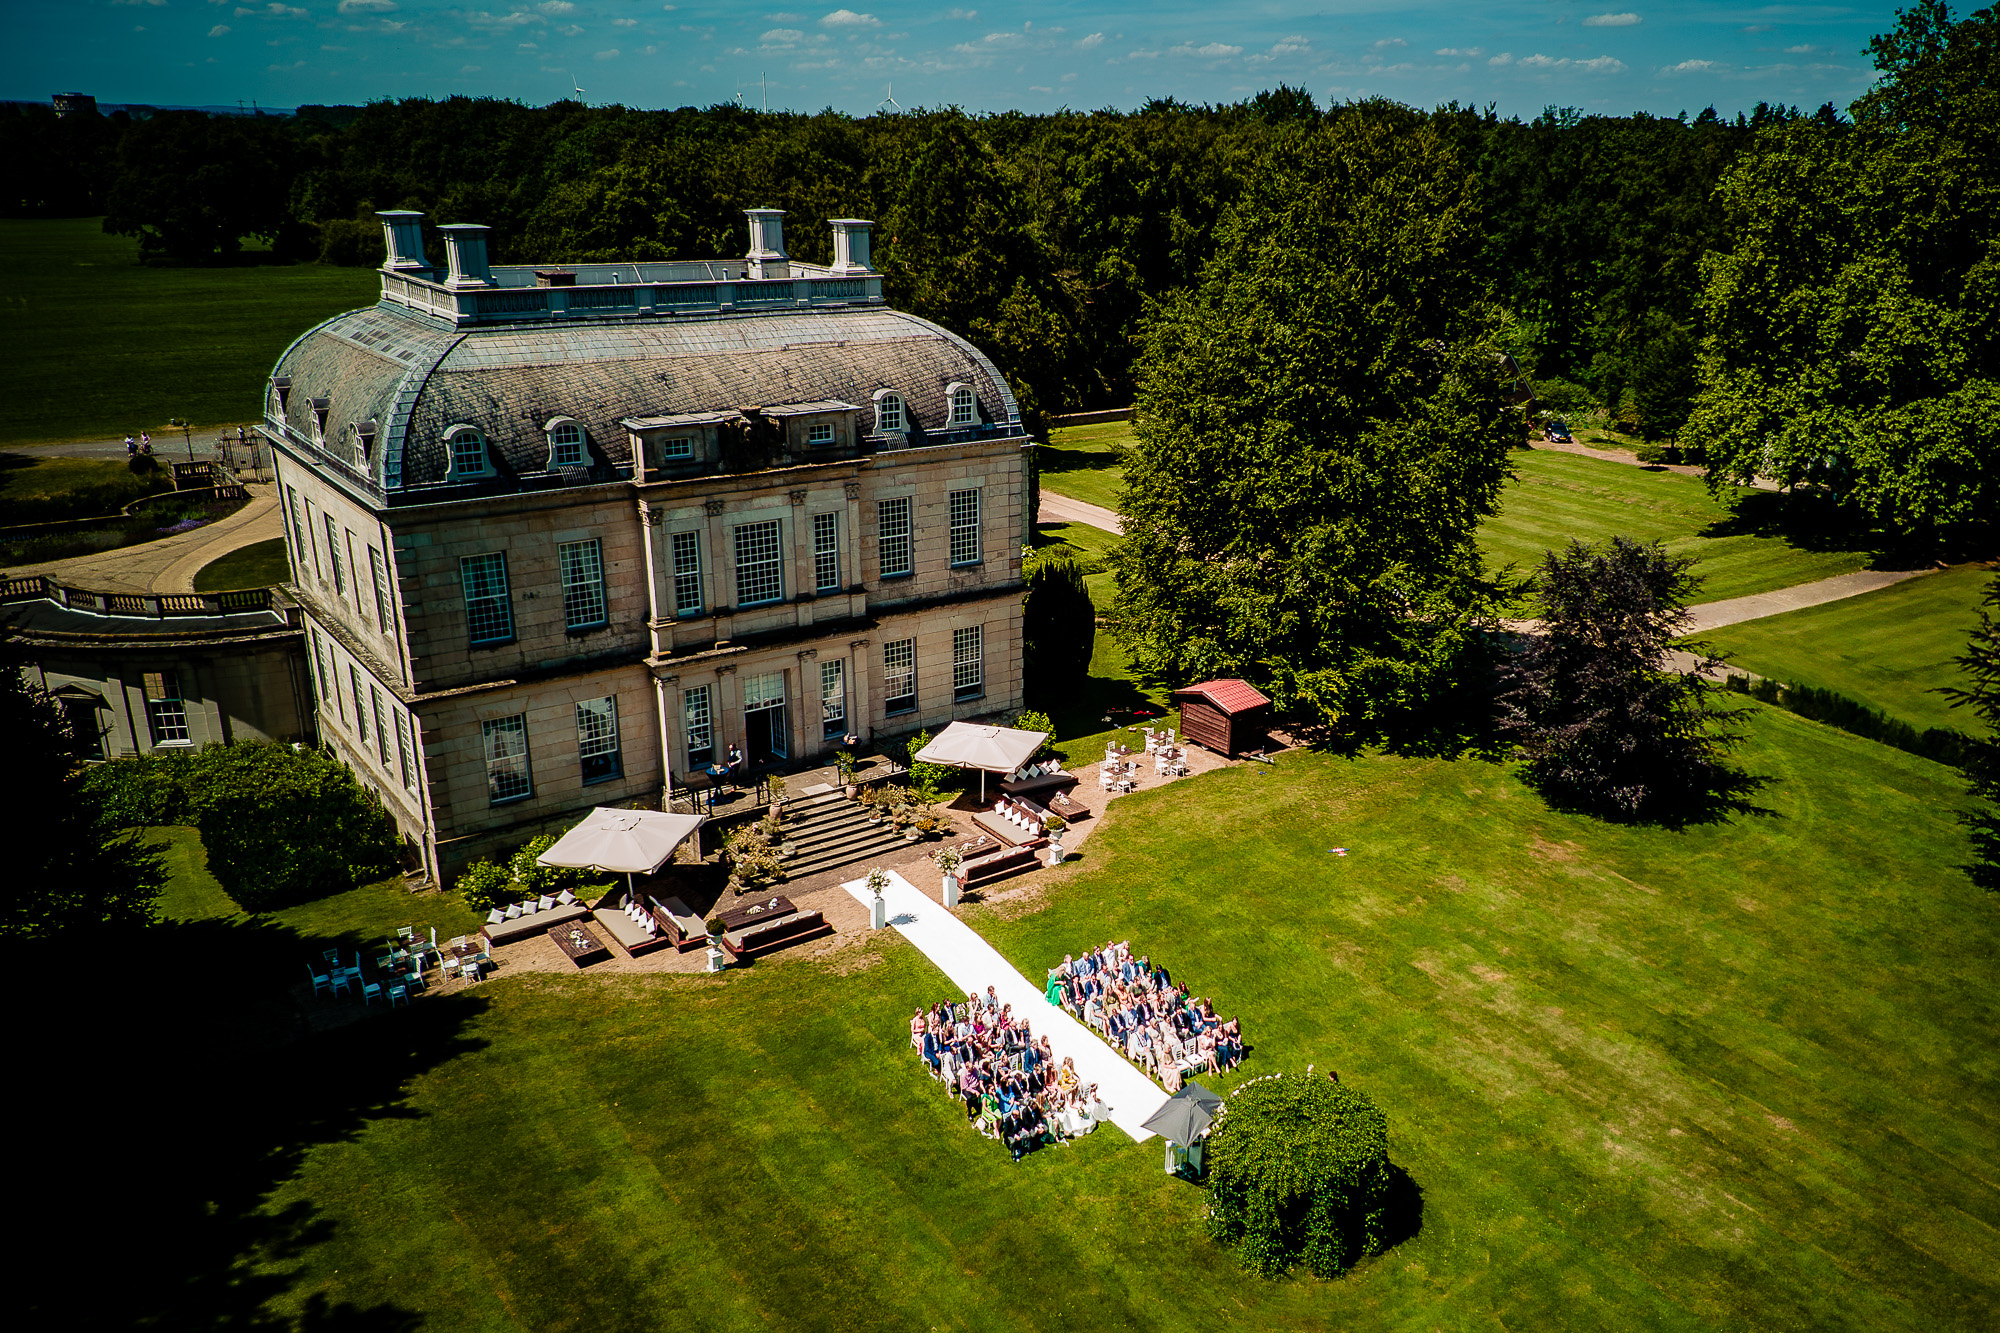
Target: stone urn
{"x": 1055, "y": 849}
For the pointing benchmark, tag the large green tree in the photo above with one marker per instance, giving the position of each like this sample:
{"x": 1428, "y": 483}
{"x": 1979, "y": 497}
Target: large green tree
{"x": 1853, "y": 322}
{"x": 1321, "y": 427}
{"x": 1981, "y": 663}
{"x": 70, "y": 867}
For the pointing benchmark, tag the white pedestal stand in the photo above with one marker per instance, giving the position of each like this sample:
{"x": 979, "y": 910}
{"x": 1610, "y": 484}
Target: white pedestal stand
{"x": 878, "y": 913}
{"x": 951, "y": 890}
{"x": 1055, "y": 851}
{"x": 716, "y": 958}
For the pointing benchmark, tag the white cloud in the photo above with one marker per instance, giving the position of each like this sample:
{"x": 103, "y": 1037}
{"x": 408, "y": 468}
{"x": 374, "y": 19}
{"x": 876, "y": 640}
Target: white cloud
{"x": 624, "y": 23}
{"x": 557, "y": 6}
{"x": 137, "y": 3}
{"x": 1504, "y": 58}
{"x": 1800, "y": 50}
{"x": 366, "y": 6}
{"x": 1090, "y": 43}
{"x": 782, "y": 37}
{"x": 482, "y": 19}
{"x": 278, "y": 11}
{"x": 1692, "y": 67}
{"x": 1211, "y": 51}
{"x": 1599, "y": 65}
{"x": 847, "y": 18}
{"x": 1460, "y": 51}
{"x": 1612, "y": 21}
{"x": 219, "y": 30}
{"x": 1291, "y": 46}
{"x": 784, "y": 18}
{"x": 468, "y": 69}
{"x": 961, "y": 15}
{"x": 1038, "y": 88}
{"x": 1390, "y": 41}
{"x": 612, "y": 54}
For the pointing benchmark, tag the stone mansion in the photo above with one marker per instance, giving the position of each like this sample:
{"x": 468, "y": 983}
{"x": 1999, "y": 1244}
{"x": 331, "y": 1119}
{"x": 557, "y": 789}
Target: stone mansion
{"x": 562, "y": 535}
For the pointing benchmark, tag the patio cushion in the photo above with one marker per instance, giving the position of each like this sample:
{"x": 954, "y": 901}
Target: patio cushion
{"x": 513, "y": 911}
{"x": 545, "y": 904}
{"x": 565, "y": 897}
{"x": 495, "y": 917}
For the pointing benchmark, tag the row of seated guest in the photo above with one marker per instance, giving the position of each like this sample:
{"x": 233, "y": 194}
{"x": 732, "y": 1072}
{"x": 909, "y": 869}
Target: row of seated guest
{"x": 1011, "y": 1083}
{"x": 1139, "y": 1009}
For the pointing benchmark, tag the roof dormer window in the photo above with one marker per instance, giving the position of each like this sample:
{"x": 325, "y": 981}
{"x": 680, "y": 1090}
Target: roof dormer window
{"x": 890, "y": 419}
{"x": 565, "y": 443}
{"x": 964, "y": 405}
{"x": 320, "y": 407}
{"x": 468, "y": 452}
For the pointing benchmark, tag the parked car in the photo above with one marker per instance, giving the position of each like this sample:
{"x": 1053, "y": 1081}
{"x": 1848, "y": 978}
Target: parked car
{"x": 1557, "y": 432}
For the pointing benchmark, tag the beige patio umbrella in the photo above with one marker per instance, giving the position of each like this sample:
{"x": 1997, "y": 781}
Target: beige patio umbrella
{"x": 988, "y": 749}
{"x": 637, "y": 842}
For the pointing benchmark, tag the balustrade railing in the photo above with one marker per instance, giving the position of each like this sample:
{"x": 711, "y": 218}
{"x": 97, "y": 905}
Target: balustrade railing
{"x": 40, "y": 587}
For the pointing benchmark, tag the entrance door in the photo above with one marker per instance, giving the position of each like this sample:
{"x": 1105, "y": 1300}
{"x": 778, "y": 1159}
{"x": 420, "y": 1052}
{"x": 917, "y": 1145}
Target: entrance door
{"x": 764, "y": 718}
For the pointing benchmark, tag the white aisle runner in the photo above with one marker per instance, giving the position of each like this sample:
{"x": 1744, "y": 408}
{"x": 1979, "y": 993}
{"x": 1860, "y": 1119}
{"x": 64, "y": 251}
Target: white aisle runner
{"x": 973, "y": 965}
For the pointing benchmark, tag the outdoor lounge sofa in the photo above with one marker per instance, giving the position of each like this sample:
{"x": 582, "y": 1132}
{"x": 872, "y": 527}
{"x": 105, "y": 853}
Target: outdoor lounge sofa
{"x": 770, "y": 936}
{"x": 632, "y": 937}
{"x": 1022, "y": 786}
{"x": 533, "y": 920}
{"x": 681, "y": 925}
{"x": 1000, "y": 863}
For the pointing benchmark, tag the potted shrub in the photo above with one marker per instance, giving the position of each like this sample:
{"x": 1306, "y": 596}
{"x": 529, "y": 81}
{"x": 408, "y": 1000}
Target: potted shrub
{"x": 843, "y": 764}
{"x": 1054, "y": 826}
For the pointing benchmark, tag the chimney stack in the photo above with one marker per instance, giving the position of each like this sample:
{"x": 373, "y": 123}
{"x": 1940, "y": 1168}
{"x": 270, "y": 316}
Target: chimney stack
{"x": 851, "y": 245}
{"x": 465, "y": 245}
{"x": 403, "y": 239}
{"x": 767, "y": 243}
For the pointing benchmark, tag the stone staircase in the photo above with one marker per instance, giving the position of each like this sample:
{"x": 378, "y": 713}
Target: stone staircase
{"x": 829, "y": 831}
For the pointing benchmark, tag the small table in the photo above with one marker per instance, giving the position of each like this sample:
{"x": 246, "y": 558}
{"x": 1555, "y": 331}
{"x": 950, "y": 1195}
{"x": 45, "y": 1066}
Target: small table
{"x": 578, "y": 944}
{"x": 764, "y": 909}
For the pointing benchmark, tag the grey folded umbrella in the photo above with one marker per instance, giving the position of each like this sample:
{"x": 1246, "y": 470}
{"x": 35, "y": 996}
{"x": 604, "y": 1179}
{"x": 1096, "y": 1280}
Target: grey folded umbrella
{"x": 1186, "y": 1114}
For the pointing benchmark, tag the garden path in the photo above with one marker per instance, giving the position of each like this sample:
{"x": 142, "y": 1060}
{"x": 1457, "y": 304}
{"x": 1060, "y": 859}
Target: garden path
{"x": 1061, "y": 509}
{"x": 169, "y": 564}
{"x": 973, "y": 965}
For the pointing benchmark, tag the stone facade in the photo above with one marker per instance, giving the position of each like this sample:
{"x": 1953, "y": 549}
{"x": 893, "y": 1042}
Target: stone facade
{"x": 549, "y": 559}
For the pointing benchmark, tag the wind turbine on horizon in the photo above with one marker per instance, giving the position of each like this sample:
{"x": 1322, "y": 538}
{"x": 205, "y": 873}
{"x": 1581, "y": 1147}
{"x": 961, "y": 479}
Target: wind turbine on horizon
{"x": 889, "y": 101}
{"x": 578, "y": 89}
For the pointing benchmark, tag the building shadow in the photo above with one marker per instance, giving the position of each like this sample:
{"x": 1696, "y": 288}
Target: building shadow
{"x": 175, "y": 1085}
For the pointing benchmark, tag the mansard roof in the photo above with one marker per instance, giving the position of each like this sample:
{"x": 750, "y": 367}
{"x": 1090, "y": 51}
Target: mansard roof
{"x": 394, "y": 381}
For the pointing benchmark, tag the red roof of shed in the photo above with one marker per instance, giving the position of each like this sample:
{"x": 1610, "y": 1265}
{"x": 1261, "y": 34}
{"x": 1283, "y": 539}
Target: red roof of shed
{"x": 1231, "y": 696}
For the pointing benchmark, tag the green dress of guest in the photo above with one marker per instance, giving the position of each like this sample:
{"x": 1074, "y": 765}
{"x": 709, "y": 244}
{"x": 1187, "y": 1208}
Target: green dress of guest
{"x": 1053, "y": 993}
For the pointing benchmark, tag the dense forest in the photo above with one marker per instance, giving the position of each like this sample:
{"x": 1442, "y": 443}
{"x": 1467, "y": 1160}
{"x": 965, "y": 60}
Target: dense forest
{"x": 1643, "y": 264}
{"x": 1042, "y": 237}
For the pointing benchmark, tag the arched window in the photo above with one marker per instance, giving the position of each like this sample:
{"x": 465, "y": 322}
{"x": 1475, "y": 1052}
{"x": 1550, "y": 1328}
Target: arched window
{"x": 467, "y": 453}
{"x": 890, "y": 419}
{"x": 964, "y": 405}
{"x": 565, "y": 443}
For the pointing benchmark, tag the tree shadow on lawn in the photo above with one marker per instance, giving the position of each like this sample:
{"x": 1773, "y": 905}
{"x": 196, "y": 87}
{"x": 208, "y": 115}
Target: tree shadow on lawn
{"x": 1055, "y": 461}
{"x": 1806, "y": 523}
{"x": 176, "y": 1089}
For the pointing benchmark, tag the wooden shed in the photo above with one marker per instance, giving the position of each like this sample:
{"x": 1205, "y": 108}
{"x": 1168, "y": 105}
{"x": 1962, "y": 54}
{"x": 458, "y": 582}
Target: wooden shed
{"x": 1226, "y": 716}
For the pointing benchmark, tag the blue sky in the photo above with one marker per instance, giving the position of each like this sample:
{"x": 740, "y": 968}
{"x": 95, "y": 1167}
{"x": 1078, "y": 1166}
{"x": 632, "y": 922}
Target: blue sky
{"x": 1612, "y": 57}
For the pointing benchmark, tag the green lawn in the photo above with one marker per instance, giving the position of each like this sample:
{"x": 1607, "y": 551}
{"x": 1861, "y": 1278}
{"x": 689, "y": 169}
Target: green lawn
{"x": 1736, "y": 1077}
{"x": 39, "y": 489}
{"x": 1741, "y": 542}
{"x": 96, "y": 344}
{"x": 1086, "y": 462}
{"x": 255, "y": 566}
{"x": 1891, "y": 649}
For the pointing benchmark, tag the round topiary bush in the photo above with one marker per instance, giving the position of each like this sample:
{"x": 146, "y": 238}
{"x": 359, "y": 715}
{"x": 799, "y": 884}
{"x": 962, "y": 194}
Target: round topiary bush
{"x": 1298, "y": 1173}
